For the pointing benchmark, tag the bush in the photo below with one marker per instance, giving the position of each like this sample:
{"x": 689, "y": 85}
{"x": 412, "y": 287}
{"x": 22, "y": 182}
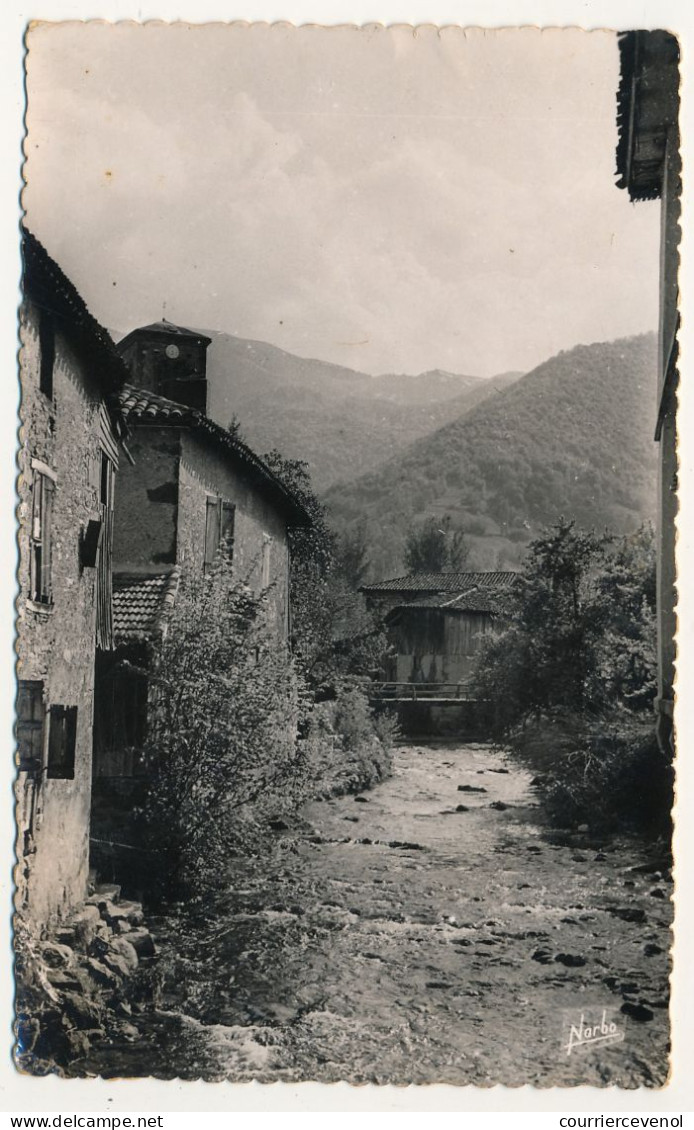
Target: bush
{"x": 221, "y": 750}
{"x": 571, "y": 677}
{"x": 348, "y": 746}
{"x": 604, "y": 773}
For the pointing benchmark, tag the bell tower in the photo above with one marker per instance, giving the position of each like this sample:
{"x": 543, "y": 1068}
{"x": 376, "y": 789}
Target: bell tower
{"x": 168, "y": 360}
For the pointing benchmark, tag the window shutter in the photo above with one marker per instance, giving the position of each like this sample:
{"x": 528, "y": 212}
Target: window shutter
{"x": 30, "y": 725}
{"x": 62, "y": 739}
{"x": 228, "y": 519}
{"x": 47, "y": 491}
{"x": 212, "y": 529}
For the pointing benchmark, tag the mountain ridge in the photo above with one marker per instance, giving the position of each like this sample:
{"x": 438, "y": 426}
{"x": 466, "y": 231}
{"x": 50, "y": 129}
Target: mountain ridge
{"x": 573, "y": 436}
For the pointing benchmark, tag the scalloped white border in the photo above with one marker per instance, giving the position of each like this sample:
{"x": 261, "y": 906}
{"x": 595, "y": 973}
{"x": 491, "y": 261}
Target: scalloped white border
{"x": 20, "y": 1094}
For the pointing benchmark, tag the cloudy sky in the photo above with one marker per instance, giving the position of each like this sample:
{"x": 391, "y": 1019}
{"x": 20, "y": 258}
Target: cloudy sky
{"x": 388, "y": 201}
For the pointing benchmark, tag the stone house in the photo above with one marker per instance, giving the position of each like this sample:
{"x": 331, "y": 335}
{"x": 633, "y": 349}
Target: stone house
{"x": 435, "y": 624}
{"x": 649, "y": 168}
{"x": 188, "y": 491}
{"x": 70, "y": 371}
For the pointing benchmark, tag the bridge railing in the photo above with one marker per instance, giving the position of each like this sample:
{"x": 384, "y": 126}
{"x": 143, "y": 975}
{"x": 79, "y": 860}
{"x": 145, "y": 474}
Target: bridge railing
{"x": 414, "y": 692}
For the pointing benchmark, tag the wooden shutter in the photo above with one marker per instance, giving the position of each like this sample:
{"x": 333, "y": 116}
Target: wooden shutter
{"x": 30, "y": 725}
{"x": 62, "y": 739}
{"x": 40, "y": 539}
{"x": 227, "y": 535}
{"x": 104, "y": 599}
{"x": 212, "y": 529}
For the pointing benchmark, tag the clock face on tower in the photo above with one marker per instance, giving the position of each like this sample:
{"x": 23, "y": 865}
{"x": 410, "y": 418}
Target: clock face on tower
{"x": 172, "y": 351}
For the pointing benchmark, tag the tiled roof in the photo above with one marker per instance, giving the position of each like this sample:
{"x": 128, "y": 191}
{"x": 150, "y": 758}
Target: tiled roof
{"x": 493, "y": 601}
{"x": 141, "y": 604}
{"x": 443, "y": 582}
{"x": 142, "y": 407}
{"x": 45, "y": 284}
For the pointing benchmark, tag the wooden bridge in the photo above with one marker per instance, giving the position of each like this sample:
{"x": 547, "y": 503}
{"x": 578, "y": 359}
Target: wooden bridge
{"x": 422, "y": 692}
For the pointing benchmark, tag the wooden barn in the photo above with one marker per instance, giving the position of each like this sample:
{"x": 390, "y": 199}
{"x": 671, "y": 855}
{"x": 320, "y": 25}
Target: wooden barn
{"x": 436, "y": 623}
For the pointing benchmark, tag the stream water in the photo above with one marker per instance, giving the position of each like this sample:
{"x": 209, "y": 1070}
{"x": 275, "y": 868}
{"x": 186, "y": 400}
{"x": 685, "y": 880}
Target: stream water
{"x": 432, "y": 930}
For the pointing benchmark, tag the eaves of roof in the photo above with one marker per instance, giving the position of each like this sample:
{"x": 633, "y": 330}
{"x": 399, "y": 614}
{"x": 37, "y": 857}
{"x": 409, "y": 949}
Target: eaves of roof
{"x": 647, "y": 105}
{"x": 433, "y": 583}
{"x": 141, "y": 407}
{"x": 50, "y": 289}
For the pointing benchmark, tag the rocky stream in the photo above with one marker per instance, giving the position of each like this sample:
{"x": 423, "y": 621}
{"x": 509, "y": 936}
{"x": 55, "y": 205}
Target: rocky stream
{"x": 434, "y": 929}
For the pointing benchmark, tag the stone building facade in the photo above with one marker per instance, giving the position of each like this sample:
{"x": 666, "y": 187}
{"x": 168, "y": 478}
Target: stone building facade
{"x": 69, "y": 371}
{"x": 188, "y": 491}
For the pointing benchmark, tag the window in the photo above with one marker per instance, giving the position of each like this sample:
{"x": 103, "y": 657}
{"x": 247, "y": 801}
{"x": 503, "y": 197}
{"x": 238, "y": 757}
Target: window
{"x": 219, "y": 529}
{"x": 62, "y": 738}
{"x": 31, "y": 715}
{"x": 47, "y": 353}
{"x": 40, "y": 534}
{"x": 267, "y": 557}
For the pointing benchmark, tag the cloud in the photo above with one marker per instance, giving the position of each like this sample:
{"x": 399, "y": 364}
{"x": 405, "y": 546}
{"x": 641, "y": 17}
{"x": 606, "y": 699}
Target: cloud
{"x": 384, "y": 203}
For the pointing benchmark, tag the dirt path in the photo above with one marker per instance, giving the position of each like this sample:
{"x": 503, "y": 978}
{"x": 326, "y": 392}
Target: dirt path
{"x": 432, "y": 931}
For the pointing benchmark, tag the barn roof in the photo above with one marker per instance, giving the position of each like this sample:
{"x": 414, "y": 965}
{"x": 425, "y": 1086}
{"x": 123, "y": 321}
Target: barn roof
{"x": 141, "y": 407}
{"x": 493, "y": 601}
{"x": 141, "y": 603}
{"x": 45, "y": 283}
{"x": 443, "y": 583}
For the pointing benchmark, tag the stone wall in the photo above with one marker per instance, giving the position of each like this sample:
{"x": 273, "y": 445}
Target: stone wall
{"x": 56, "y": 642}
{"x": 145, "y": 520}
{"x": 261, "y": 553}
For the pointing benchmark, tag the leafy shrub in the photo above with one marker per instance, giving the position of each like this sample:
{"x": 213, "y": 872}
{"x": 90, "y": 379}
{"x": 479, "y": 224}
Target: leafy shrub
{"x": 221, "y": 750}
{"x": 570, "y": 678}
{"x": 348, "y": 745}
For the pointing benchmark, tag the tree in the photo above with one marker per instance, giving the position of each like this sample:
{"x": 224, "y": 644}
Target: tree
{"x": 570, "y": 678}
{"x": 333, "y": 633}
{"x": 543, "y": 657}
{"x": 433, "y": 547}
{"x": 234, "y": 429}
{"x": 224, "y": 693}
{"x": 352, "y": 556}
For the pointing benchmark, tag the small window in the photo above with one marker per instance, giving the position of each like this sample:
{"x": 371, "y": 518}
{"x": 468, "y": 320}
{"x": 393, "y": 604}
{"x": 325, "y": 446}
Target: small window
{"x": 40, "y": 536}
{"x": 62, "y": 738}
{"x": 267, "y": 559}
{"x": 31, "y": 715}
{"x": 47, "y": 353}
{"x": 219, "y": 529}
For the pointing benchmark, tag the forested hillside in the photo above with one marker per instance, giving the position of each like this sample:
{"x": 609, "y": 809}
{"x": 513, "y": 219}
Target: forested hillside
{"x": 338, "y": 420}
{"x": 572, "y": 437}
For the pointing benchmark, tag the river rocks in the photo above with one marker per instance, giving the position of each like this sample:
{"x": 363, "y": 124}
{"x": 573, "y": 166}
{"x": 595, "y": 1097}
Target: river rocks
{"x": 658, "y": 893}
{"x": 627, "y": 913}
{"x": 651, "y": 949}
{"x": 499, "y": 805}
{"x": 462, "y": 808}
{"x": 571, "y": 960}
{"x": 637, "y": 1012}
{"x": 471, "y": 789}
